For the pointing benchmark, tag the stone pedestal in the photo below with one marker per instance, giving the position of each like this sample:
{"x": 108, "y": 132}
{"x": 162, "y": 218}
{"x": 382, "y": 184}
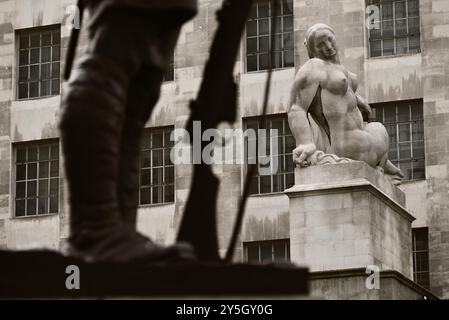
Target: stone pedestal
{"x": 346, "y": 216}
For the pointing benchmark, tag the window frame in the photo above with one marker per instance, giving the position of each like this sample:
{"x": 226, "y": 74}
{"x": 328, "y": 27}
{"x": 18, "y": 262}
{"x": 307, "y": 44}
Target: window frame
{"x": 280, "y": 32}
{"x": 37, "y": 144}
{"x": 286, "y": 134}
{"x": 426, "y": 273}
{"x": 408, "y": 35}
{"x": 397, "y": 123}
{"x": 52, "y": 29}
{"x": 260, "y": 243}
{"x": 148, "y": 132}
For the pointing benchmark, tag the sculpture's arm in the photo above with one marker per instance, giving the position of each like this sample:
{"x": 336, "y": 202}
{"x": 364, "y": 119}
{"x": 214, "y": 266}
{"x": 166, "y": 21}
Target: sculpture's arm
{"x": 302, "y": 94}
{"x": 364, "y": 107}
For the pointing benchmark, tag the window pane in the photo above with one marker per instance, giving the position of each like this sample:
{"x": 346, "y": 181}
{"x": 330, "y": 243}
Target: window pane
{"x": 289, "y": 180}
{"x": 288, "y": 40}
{"x": 263, "y": 9}
{"x": 413, "y": 8}
{"x": 265, "y": 184}
{"x": 169, "y": 193}
{"x": 54, "y": 169}
{"x": 54, "y": 153}
{"x": 45, "y": 54}
{"x": 413, "y": 26}
{"x": 34, "y": 55}
{"x": 42, "y": 205}
{"x": 406, "y": 168}
{"x": 253, "y": 253}
{"x": 20, "y": 208}
{"x": 21, "y": 172}
{"x": 419, "y": 169}
{"x": 266, "y": 254}
{"x": 24, "y": 41}
{"x": 31, "y": 188}
{"x": 55, "y": 87}
{"x": 55, "y": 70}
{"x": 288, "y": 24}
{"x": 376, "y": 48}
{"x": 32, "y": 171}
{"x": 251, "y": 45}
{"x": 45, "y": 88}
{"x": 157, "y": 194}
{"x": 56, "y": 53}
{"x": 169, "y": 174}
{"x": 251, "y": 28}
{"x": 145, "y": 159}
{"x": 24, "y": 56}
{"x": 23, "y": 76}
{"x": 251, "y": 63}
{"x": 43, "y": 169}
{"x": 20, "y": 189}
{"x": 387, "y": 10}
{"x": 264, "y": 26}
{"x": 280, "y": 252}
{"x": 400, "y": 10}
{"x": 253, "y": 187}
{"x": 418, "y": 149}
{"x": 34, "y": 73}
{"x": 35, "y": 40}
{"x": 288, "y": 58}
{"x": 46, "y": 39}
{"x": 34, "y": 89}
{"x": 145, "y": 177}
{"x": 145, "y": 196}
{"x": 387, "y": 29}
{"x": 404, "y": 132}
{"x": 415, "y": 45}
{"x": 388, "y": 47}
{"x": 45, "y": 71}
{"x": 157, "y": 140}
{"x": 158, "y": 157}
{"x": 401, "y": 27}
{"x": 54, "y": 204}
{"x": 21, "y": 154}
{"x": 263, "y": 61}
{"x": 287, "y": 7}
{"x": 264, "y": 44}
{"x": 56, "y": 37}
{"x": 404, "y": 151}
{"x": 157, "y": 176}
{"x": 43, "y": 188}
{"x": 31, "y": 206}
{"x": 54, "y": 186}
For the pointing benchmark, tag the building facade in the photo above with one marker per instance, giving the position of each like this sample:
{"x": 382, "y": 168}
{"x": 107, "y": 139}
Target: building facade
{"x": 398, "y": 49}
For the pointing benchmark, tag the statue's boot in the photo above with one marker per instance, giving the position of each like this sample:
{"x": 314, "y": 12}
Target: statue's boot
{"x": 91, "y": 131}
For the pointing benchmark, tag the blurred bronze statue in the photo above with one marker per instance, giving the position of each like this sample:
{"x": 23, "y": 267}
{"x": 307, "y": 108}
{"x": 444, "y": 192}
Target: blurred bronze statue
{"x": 107, "y": 101}
{"x": 337, "y": 129}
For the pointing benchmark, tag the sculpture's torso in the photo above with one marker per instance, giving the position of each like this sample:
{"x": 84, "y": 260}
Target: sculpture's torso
{"x": 349, "y": 136}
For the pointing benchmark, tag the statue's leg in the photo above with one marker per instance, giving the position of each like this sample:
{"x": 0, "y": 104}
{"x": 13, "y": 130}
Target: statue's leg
{"x": 94, "y": 111}
{"x": 143, "y": 95}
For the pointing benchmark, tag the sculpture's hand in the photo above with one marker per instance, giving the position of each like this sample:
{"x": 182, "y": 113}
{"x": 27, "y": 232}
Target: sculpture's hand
{"x": 302, "y": 153}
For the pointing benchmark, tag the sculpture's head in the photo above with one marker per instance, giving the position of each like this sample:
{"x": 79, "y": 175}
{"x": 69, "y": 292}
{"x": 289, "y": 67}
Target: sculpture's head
{"x": 320, "y": 42}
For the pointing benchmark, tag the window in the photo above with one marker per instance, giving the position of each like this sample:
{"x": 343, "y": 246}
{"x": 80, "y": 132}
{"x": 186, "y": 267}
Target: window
{"x": 39, "y": 62}
{"x": 398, "y": 31}
{"x": 37, "y": 178}
{"x": 170, "y": 74}
{"x": 278, "y": 148}
{"x": 267, "y": 251}
{"x": 421, "y": 256}
{"x": 157, "y": 174}
{"x": 405, "y": 125}
{"x": 258, "y": 29}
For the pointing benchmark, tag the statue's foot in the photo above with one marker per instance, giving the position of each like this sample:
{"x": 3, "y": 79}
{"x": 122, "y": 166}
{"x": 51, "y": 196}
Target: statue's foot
{"x": 130, "y": 247}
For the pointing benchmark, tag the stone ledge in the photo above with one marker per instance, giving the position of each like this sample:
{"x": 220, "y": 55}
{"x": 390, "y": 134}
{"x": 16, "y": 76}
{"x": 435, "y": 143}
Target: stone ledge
{"x": 384, "y": 275}
{"x": 357, "y": 185}
{"x": 42, "y": 274}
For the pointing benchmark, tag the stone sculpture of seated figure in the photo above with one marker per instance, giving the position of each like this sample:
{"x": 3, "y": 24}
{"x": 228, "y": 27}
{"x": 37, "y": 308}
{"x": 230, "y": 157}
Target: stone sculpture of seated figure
{"x": 327, "y": 116}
